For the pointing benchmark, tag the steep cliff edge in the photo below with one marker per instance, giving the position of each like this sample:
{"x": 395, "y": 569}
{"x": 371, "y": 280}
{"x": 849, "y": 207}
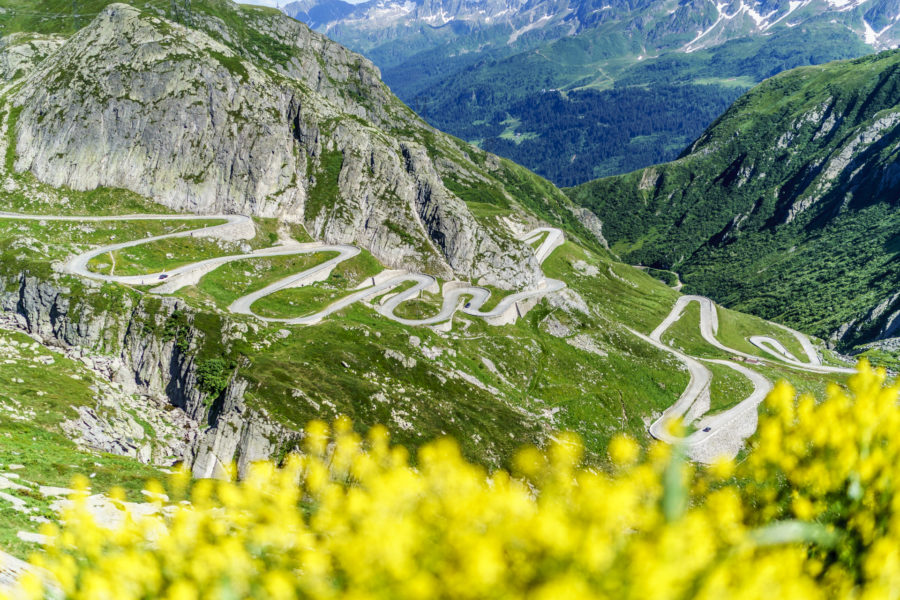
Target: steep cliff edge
{"x": 208, "y": 118}
{"x": 149, "y": 347}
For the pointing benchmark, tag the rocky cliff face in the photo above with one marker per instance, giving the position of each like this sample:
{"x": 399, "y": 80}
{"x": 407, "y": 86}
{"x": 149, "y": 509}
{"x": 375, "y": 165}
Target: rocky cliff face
{"x": 147, "y": 372}
{"x": 20, "y": 53}
{"x": 207, "y": 119}
{"x": 880, "y": 327}
{"x": 235, "y": 441}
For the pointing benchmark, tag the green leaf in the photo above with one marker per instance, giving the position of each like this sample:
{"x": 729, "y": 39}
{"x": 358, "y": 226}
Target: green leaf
{"x": 792, "y": 532}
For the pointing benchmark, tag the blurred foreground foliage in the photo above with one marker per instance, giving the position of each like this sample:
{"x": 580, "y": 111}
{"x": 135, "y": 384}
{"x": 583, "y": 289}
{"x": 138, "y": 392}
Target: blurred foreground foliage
{"x": 812, "y": 512}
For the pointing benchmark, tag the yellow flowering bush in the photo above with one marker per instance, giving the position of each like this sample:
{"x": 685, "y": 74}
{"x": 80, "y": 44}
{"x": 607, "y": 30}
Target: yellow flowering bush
{"x": 811, "y": 513}
{"x": 836, "y": 463}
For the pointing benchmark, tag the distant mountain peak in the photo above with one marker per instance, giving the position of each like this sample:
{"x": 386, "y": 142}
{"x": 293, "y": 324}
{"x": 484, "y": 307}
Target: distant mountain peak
{"x": 707, "y": 22}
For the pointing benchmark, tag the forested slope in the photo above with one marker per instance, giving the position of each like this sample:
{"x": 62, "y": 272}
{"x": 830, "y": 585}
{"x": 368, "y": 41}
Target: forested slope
{"x": 786, "y": 207}
{"x": 551, "y": 84}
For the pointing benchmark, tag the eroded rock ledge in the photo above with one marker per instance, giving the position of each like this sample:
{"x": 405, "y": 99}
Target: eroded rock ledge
{"x": 132, "y": 349}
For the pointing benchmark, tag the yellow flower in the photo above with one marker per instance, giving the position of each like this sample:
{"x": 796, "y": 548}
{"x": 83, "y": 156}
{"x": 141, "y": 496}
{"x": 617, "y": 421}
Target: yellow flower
{"x": 813, "y": 512}
{"x": 182, "y": 590}
{"x": 623, "y": 451}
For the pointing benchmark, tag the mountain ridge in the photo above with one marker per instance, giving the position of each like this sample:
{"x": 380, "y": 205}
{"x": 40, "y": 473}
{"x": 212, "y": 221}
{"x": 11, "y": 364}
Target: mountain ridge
{"x": 523, "y": 84}
{"x": 714, "y": 22}
{"x": 784, "y": 206}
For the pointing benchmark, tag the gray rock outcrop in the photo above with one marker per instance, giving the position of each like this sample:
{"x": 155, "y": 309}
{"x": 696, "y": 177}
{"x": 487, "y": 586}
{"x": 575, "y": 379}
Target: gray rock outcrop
{"x": 123, "y": 345}
{"x": 234, "y": 441}
{"x": 20, "y": 53}
{"x": 201, "y": 120}
{"x": 880, "y": 326}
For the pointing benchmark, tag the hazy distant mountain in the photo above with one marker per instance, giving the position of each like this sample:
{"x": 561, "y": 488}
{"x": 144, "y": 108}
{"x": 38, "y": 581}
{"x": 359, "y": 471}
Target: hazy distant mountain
{"x": 638, "y": 80}
{"x": 687, "y": 25}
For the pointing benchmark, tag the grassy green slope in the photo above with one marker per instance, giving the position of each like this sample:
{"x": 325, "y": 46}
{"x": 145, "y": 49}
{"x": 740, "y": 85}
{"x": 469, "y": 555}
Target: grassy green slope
{"x": 749, "y": 215}
{"x": 34, "y": 399}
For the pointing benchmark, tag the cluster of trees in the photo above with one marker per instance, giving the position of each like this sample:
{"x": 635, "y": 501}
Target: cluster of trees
{"x": 574, "y": 137}
{"x": 591, "y": 133}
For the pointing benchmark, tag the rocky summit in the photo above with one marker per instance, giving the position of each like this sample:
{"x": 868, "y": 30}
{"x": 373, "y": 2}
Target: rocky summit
{"x": 209, "y": 119}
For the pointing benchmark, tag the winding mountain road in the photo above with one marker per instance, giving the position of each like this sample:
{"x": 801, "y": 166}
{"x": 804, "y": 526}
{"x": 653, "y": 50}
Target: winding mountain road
{"x": 722, "y": 433}
{"x": 715, "y": 435}
{"x": 240, "y": 227}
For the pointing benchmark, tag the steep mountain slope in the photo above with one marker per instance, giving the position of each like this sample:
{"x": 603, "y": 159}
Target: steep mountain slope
{"x": 241, "y": 109}
{"x": 264, "y": 119}
{"x": 675, "y": 96}
{"x": 657, "y": 24}
{"x": 786, "y": 207}
{"x": 522, "y": 79}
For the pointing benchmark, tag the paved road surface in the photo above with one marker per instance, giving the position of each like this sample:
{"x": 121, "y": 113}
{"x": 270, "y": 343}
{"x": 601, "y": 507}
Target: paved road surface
{"x": 722, "y": 433}
{"x": 241, "y": 227}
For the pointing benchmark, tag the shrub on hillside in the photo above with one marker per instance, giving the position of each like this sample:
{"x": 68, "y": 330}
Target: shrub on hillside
{"x": 813, "y": 512}
{"x": 213, "y": 375}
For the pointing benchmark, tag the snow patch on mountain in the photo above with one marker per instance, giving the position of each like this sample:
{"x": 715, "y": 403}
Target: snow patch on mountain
{"x": 534, "y": 25}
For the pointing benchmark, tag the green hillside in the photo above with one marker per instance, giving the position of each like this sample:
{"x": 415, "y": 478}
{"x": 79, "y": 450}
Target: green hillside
{"x": 617, "y": 109}
{"x": 786, "y": 207}
{"x": 579, "y": 360}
